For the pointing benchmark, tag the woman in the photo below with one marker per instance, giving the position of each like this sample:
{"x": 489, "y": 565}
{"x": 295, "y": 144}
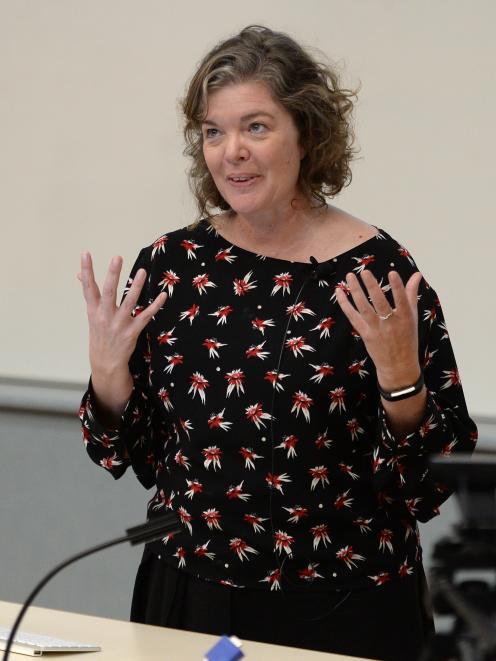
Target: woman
{"x": 280, "y": 372}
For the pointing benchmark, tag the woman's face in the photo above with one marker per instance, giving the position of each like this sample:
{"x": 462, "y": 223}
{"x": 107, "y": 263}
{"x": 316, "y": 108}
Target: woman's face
{"x": 251, "y": 147}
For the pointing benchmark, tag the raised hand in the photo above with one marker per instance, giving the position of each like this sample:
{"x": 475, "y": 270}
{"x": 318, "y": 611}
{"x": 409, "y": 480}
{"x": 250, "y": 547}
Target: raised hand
{"x": 390, "y": 334}
{"x": 113, "y": 331}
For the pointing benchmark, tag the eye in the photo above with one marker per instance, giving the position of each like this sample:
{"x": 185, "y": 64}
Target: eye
{"x": 211, "y": 133}
{"x": 257, "y": 127}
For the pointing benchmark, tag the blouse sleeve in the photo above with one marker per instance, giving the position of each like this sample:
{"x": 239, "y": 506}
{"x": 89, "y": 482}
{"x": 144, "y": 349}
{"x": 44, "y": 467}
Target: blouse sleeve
{"x": 131, "y": 443}
{"x": 446, "y": 427}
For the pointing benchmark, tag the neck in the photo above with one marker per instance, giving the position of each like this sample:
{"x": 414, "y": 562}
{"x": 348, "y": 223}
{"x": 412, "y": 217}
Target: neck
{"x": 270, "y": 230}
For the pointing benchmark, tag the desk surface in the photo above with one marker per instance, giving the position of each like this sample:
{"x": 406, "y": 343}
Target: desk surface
{"x": 121, "y": 641}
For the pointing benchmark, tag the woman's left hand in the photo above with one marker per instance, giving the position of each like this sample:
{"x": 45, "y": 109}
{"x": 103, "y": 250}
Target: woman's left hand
{"x": 390, "y": 334}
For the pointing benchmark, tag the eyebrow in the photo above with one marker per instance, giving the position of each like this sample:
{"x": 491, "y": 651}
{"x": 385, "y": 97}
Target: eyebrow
{"x": 245, "y": 118}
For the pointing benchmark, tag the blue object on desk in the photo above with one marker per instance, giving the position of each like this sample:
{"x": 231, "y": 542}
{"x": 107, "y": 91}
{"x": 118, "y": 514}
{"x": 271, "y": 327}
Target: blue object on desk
{"x": 226, "y": 649}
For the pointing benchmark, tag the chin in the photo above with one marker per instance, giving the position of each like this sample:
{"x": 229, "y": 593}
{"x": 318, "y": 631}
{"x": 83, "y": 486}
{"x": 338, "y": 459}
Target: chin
{"x": 244, "y": 207}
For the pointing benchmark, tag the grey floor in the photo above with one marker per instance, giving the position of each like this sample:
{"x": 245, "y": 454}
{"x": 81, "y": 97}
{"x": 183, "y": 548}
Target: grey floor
{"x": 54, "y": 502}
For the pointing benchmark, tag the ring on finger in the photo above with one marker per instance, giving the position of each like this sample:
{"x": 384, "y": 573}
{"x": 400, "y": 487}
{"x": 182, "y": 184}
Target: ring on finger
{"x": 385, "y": 317}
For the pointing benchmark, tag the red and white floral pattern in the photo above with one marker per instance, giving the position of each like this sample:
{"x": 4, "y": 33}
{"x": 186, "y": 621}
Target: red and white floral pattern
{"x": 255, "y": 414}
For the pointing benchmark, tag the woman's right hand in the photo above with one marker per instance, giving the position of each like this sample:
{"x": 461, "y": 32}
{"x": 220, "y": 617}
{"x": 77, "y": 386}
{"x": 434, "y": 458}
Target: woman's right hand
{"x": 113, "y": 332}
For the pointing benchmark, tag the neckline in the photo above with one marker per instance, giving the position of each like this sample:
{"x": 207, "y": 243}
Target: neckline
{"x": 206, "y": 225}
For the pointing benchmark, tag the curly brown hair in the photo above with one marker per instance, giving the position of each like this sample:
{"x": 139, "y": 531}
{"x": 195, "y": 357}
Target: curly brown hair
{"x": 309, "y": 90}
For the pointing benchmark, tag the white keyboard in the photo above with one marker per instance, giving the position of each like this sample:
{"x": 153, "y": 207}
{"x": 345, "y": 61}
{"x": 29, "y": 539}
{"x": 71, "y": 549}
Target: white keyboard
{"x": 32, "y": 644}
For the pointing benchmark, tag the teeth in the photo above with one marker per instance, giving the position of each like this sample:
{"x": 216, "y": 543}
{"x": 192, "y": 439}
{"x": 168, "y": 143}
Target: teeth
{"x": 241, "y": 178}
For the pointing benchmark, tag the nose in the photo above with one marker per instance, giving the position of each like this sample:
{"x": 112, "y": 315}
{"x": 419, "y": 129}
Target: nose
{"x": 236, "y": 148}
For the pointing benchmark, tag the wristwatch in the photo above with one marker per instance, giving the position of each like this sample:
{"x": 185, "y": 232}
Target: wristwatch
{"x": 403, "y": 393}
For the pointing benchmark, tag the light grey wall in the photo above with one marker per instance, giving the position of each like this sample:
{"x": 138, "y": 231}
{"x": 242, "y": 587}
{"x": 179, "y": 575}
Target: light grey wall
{"x": 55, "y": 502}
{"x": 91, "y": 154}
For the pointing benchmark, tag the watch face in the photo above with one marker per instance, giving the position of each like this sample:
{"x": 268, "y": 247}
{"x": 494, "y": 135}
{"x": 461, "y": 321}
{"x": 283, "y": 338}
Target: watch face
{"x": 406, "y": 391}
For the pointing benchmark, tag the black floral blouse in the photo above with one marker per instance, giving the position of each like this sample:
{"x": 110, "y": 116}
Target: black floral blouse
{"x": 256, "y": 417}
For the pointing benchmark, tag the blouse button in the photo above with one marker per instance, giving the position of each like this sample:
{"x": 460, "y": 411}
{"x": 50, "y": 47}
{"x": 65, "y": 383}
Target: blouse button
{"x": 159, "y": 557}
{"x": 320, "y": 506}
{"x": 172, "y": 384}
{"x": 203, "y": 263}
{"x": 259, "y": 307}
{"x": 391, "y": 264}
{"x": 217, "y": 369}
{"x": 226, "y": 565}
{"x": 264, "y": 438}
{"x": 335, "y": 259}
{"x": 334, "y": 574}
{"x": 288, "y": 332}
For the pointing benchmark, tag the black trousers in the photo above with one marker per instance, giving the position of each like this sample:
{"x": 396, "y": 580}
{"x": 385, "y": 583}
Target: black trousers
{"x": 391, "y": 622}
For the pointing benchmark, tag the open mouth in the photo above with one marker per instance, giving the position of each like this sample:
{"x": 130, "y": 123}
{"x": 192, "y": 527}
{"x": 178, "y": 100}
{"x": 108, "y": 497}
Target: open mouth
{"x": 243, "y": 180}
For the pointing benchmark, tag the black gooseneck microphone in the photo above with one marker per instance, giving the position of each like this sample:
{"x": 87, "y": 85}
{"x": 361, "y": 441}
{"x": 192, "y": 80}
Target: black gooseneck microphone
{"x": 145, "y": 532}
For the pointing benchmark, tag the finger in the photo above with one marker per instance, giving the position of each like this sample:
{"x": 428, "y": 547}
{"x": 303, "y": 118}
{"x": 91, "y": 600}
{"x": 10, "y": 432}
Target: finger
{"x": 362, "y": 304}
{"x": 401, "y": 300}
{"x": 377, "y": 297}
{"x": 354, "y": 317}
{"x": 109, "y": 291}
{"x": 91, "y": 292}
{"x": 411, "y": 289}
{"x": 146, "y": 315}
{"x": 131, "y": 298}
